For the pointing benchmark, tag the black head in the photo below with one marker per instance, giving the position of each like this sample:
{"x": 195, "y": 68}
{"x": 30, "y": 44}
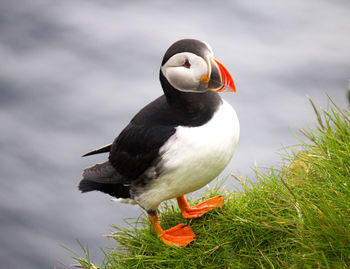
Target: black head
{"x": 187, "y": 45}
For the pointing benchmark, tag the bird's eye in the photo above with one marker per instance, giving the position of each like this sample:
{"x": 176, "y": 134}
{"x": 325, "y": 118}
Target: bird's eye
{"x": 187, "y": 64}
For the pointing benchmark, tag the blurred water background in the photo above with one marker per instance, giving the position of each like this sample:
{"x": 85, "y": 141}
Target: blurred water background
{"x": 73, "y": 73}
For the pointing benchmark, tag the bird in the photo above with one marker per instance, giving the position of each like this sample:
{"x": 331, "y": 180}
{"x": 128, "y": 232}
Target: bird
{"x": 176, "y": 144}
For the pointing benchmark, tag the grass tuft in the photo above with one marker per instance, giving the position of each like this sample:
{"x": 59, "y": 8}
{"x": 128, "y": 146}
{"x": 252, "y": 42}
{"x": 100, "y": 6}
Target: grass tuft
{"x": 295, "y": 217}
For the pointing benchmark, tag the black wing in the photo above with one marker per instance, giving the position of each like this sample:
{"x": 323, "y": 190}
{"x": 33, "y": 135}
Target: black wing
{"x": 137, "y": 147}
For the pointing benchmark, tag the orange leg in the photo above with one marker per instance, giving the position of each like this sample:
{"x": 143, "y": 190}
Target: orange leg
{"x": 180, "y": 235}
{"x": 198, "y": 210}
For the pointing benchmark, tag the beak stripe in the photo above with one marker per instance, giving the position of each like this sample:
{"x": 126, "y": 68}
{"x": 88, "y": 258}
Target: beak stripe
{"x": 226, "y": 79}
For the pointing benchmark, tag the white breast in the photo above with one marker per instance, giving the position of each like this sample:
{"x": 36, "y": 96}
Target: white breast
{"x": 193, "y": 157}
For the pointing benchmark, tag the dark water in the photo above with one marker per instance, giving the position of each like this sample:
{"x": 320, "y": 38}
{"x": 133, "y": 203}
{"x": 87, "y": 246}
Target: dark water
{"x": 73, "y": 73}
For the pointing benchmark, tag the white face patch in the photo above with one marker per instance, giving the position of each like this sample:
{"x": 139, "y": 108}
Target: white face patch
{"x": 184, "y": 71}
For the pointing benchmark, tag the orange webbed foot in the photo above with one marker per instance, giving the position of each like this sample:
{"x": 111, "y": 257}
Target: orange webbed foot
{"x": 200, "y": 209}
{"x": 180, "y": 235}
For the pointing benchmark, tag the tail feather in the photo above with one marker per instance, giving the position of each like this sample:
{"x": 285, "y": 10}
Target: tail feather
{"x": 104, "y": 149}
{"x": 101, "y": 173}
{"x": 103, "y": 177}
{"x": 115, "y": 190}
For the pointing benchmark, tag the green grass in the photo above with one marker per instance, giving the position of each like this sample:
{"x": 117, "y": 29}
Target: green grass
{"x": 297, "y": 216}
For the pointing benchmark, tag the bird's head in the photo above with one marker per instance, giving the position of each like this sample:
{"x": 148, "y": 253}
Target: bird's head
{"x": 189, "y": 66}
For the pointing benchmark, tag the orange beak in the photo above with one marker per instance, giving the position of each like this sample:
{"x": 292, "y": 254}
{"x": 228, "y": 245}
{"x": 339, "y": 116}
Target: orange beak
{"x": 227, "y": 84}
{"x": 220, "y": 79}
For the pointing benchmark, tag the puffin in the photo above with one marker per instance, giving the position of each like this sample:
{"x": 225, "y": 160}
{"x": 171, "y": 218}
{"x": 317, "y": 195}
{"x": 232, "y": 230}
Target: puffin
{"x": 176, "y": 144}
